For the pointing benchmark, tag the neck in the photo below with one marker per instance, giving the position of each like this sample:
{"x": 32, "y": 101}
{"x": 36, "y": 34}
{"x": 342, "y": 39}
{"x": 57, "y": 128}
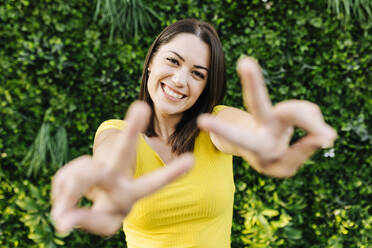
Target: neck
{"x": 165, "y": 125}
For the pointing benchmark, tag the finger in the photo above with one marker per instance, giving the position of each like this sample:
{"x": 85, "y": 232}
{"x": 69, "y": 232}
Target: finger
{"x": 63, "y": 195}
{"x": 159, "y": 178}
{"x": 137, "y": 118}
{"x": 307, "y": 116}
{"x": 240, "y": 136}
{"x": 295, "y": 156}
{"x": 72, "y": 181}
{"x": 102, "y": 223}
{"x": 136, "y": 121}
{"x": 256, "y": 98}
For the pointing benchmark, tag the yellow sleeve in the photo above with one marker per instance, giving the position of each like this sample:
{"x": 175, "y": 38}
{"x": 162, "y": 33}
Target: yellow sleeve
{"x": 116, "y": 124}
{"x": 218, "y": 108}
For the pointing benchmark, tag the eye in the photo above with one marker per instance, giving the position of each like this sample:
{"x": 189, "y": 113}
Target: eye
{"x": 173, "y": 60}
{"x": 199, "y": 74}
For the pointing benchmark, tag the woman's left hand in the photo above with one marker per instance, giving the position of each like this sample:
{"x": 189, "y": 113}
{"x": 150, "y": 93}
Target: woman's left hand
{"x": 262, "y": 137}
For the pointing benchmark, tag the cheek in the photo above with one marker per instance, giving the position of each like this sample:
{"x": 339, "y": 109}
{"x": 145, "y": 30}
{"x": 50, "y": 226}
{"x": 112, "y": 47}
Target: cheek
{"x": 198, "y": 88}
{"x": 158, "y": 74}
{"x": 151, "y": 88}
{"x": 149, "y": 85}
{"x": 151, "y": 82}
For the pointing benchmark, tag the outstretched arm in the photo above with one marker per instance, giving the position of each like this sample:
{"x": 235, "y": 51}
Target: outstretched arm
{"x": 262, "y": 135}
{"x": 107, "y": 179}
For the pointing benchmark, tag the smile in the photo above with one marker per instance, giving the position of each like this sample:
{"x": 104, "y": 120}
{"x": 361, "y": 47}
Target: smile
{"x": 171, "y": 93}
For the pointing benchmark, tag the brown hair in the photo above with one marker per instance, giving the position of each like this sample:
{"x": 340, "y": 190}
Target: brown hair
{"x": 183, "y": 138}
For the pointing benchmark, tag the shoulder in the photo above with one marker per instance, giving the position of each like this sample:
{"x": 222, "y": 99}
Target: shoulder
{"x": 203, "y": 144}
{"x": 229, "y": 113}
{"x": 233, "y": 115}
{"x": 230, "y": 118}
{"x": 218, "y": 108}
{"x": 110, "y": 124}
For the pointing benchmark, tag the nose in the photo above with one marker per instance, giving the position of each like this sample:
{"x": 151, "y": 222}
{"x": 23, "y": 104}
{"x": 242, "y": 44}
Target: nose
{"x": 180, "y": 78}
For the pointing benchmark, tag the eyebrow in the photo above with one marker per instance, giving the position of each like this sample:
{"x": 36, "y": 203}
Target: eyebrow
{"x": 181, "y": 58}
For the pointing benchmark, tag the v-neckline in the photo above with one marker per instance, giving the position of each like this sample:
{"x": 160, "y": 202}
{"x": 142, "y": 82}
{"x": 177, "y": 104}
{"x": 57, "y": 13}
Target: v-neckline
{"x": 152, "y": 150}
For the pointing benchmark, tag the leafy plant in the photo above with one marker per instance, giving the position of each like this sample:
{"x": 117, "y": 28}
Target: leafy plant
{"x": 129, "y": 17}
{"x": 360, "y": 9}
{"x": 57, "y": 64}
{"x": 46, "y": 150}
{"x": 35, "y": 207}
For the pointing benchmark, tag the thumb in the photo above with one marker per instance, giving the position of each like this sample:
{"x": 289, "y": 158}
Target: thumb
{"x": 97, "y": 222}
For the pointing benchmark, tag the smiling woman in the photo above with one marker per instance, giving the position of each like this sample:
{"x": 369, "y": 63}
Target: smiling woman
{"x": 176, "y": 125}
{"x": 190, "y": 54}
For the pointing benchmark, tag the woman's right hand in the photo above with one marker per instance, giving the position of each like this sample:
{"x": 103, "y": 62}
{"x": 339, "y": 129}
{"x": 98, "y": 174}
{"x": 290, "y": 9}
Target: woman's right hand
{"x": 110, "y": 177}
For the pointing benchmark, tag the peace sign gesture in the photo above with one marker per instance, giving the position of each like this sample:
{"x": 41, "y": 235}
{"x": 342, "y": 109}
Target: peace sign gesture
{"x": 107, "y": 178}
{"x": 262, "y": 137}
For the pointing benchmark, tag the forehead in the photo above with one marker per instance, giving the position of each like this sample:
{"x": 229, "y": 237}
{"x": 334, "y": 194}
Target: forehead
{"x": 190, "y": 47}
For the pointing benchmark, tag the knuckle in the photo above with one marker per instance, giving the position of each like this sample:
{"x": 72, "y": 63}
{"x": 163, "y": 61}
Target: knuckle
{"x": 84, "y": 159}
{"x": 314, "y": 107}
{"x": 72, "y": 184}
{"x": 56, "y": 181}
{"x": 316, "y": 112}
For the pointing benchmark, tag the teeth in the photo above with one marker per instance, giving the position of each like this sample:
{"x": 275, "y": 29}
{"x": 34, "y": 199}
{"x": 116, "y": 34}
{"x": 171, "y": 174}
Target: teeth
{"x": 172, "y": 93}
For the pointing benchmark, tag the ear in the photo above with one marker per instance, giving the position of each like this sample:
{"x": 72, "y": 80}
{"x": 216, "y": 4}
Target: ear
{"x": 149, "y": 67}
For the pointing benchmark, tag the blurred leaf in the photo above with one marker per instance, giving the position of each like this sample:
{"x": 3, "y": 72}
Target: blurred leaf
{"x": 130, "y": 17}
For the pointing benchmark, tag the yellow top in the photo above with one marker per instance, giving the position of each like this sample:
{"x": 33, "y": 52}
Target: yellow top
{"x": 194, "y": 210}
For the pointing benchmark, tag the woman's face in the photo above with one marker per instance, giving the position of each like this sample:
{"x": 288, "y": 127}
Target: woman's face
{"x": 178, "y": 74}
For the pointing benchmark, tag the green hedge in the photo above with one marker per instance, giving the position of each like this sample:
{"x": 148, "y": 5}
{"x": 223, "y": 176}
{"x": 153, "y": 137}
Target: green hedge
{"x": 59, "y": 71}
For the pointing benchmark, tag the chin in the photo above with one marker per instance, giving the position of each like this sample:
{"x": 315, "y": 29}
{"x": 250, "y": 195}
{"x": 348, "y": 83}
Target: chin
{"x": 167, "y": 109}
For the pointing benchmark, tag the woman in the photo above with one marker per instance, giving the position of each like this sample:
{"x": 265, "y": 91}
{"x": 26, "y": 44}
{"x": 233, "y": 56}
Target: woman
{"x": 182, "y": 83}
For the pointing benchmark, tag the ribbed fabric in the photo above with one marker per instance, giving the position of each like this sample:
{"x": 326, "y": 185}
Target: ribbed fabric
{"x": 193, "y": 211}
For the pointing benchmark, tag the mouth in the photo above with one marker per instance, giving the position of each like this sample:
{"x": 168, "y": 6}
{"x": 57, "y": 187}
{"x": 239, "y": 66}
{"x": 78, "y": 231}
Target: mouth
{"x": 171, "y": 94}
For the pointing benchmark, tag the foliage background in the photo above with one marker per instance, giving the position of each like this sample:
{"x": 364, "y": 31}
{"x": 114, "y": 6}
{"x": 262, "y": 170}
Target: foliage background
{"x": 60, "y": 77}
